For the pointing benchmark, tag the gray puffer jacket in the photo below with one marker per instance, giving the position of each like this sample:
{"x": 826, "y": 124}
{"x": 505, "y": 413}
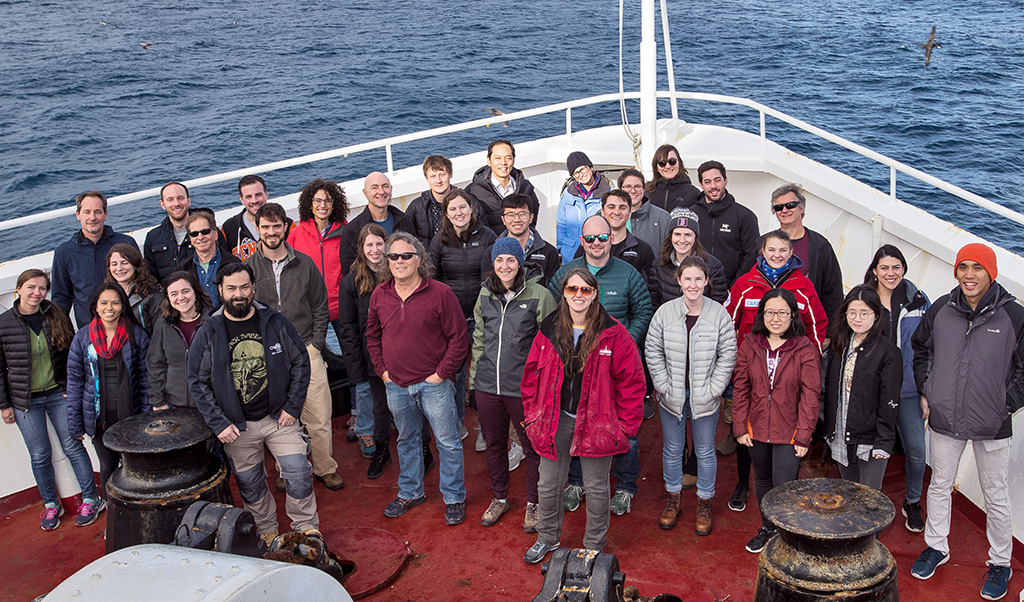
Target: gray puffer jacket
{"x": 710, "y": 347}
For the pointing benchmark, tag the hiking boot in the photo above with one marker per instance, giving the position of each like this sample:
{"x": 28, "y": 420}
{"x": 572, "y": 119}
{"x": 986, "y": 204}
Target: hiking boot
{"x": 454, "y": 513}
{"x": 350, "y": 433}
{"x": 997, "y": 580}
{"x": 755, "y": 545}
{"x": 50, "y": 517}
{"x": 914, "y": 515}
{"x": 670, "y": 514}
{"x": 531, "y": 518}
{"x": 332, "y": 481}
{"x": 689, "y": 481}
{"x": 367, "y": 447}
{"x": 726, "y": 446}
{"x": 515, "y": 456}
{"x": 727, "y": 410}
{"x": 399, "y": 505}
{"x": 538, "y": 551}
{"x": 280, "y": 485}
{"x": 428, "y": 459}
{"x": 481, "y": 443}
{"x": 89, "y": 511}
{"x": 738, "y": 501}
{"x": 494, "y": 512}
{"x": 621, "y": 503}
{"x": 381, "y": 458}
{"x": 572, "y": 496}
{"x": 703, "y": 524}
{"x": 929, "y": 560}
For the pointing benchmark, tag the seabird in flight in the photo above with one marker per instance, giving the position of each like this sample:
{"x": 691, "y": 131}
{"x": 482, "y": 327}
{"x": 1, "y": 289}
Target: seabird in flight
{"x": 929, "y": 46}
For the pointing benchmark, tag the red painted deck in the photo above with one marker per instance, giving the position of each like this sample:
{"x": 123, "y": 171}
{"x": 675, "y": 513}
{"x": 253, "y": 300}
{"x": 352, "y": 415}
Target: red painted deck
{"x": 470, "y": 562}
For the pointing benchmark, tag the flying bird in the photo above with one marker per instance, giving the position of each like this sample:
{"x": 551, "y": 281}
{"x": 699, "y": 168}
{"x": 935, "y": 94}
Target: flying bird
{"x": 929, "y": 46}
{"x": 101, "y": 22}
{"x": 497, "y": 112}
{"x": 146, "y": 45}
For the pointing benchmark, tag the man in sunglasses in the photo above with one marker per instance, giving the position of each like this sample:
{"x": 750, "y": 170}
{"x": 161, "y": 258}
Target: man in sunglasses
{"x": 820, "y": 264}
{"x": 168, "y": 244}
{"x": 207, "y": 256}
{"x": 728, "y": 230}
{"x": 616, "y": 209}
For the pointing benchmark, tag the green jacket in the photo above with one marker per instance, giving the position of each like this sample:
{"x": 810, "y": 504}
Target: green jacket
{"x": 624, "y": 293}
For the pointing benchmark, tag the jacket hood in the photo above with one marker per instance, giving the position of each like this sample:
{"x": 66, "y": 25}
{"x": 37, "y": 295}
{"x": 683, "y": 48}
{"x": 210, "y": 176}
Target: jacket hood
{"x": 795, "y": 264}
{"x": 310, "y": 225}
{"x": 482, "y": 176}
{"x": 761, "y": 341}
{"x": 995, "y": 297}
{"x": 716, "y": 209}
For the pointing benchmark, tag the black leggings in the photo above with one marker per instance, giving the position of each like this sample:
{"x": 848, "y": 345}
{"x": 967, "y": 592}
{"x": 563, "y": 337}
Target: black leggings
{"x": 774, "y": 464}
{"x": 108, "y": 458}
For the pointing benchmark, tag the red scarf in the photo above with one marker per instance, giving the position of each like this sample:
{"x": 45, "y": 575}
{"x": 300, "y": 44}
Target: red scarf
{"x": 98, "y": 336}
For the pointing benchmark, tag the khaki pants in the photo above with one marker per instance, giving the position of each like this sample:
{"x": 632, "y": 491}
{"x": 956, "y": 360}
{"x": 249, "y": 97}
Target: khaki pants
{"x": 316, "y": 415}
{"x": 288, "y": 447}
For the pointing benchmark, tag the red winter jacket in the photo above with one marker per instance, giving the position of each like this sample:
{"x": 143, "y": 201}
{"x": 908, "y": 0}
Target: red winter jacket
{"x": 326, "y": 254}
{"x": 746, "y": 294}
{"x": 786, "y": 410}
{"x": 611, "y": 403}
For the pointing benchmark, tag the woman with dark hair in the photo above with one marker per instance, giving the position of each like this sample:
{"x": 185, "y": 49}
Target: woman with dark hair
{"x": 34, "y": 338}
{"x": 322, "y": 216}
{"x": 457, "y": 252}
{"x": 583, "y": 396}
{"x": 107, "y": 360}
{"x": 775, "y": 403}
{"x": 127, "y": 268}
{"x": 580, "y": 198}
{"x": 508, "y": 314}
{"x": 670, "y": 187}
{"x": 903, "y": 307}
{"x": 183, "y": 311}
{"x": 863, "y": 374}
{"x": 683, "y": 241}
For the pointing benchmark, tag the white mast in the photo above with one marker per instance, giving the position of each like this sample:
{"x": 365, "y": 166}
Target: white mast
{"x": 648, "y": 86}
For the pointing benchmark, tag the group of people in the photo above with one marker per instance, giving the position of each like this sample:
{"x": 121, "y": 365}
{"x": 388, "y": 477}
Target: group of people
{"x": 656, "y": 297}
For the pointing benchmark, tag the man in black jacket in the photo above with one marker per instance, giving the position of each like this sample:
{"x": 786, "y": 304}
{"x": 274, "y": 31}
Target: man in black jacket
{"x": 728, "y": 230}
{"x": 247, "y": 373}
{"x": 423, "y": 216}
{"x": 499, "y": 179}
{"x": 541, "y": 256}
{"x": 168, "y": 244}
{"x": 377, "y": 190}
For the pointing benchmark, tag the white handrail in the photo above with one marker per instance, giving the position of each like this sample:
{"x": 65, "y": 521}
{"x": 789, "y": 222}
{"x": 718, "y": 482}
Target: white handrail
{"x": 388, "y": 143}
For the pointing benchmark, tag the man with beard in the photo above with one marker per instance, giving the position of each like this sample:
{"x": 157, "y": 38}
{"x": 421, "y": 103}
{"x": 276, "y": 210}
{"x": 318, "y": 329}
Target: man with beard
{"x": 168, "y": 244}
{"x": 290, "y": 283}
{"x": 247, "y": 373}
{"x": 728, "y": 230}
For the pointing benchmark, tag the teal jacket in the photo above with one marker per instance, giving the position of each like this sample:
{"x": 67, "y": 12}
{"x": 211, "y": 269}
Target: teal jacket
{"x": 624, "y": 293}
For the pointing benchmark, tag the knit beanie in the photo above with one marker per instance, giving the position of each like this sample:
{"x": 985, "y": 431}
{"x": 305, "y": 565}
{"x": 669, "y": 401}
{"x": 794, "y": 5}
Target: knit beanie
{"x": 684, "y": 218}
{"x": 508, "y": 246}
{"x": 980, "y": 254}
{"x": 576, "y": 160}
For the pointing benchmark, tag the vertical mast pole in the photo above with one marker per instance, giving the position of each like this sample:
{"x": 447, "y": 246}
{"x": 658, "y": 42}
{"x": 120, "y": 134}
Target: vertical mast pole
{"x": 648, "y": 85}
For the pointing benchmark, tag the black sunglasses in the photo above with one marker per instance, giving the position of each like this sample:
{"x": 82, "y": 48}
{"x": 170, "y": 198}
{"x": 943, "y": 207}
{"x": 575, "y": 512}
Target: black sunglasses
{"x": 589, "y": 238}
{"x": 203, "y": 232}
{"x": 789, "y": 205}
{"x": 670, "y": 161}
{"x": 402, "y": 256}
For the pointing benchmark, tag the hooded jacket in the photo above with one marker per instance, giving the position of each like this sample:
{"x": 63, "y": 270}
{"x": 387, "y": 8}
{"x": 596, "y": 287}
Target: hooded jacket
{"x": 611, "y": 404}
{"x": 573, "y": 210}
{"x": 79, "y": 266}
{"x": 670, "y": 194}
{"x": 650, "y": 224}
{"x": 325, "y": 253}
{"x": 874, "y": 400}
{"x": 908, "y": 307}
{"x": 665, "y": 286}
{"x": 968, "y": 364}
{"x": 303, "y": 297}
{"x": 483, "y": 190}
{"x": 16, "y": 357}
{"x": 237, "y": 238}
{"x": 167, "y": 364}
{"x": 624, "y": 293}
{"x": 728, "y": 231}
{"x": 460, "y": 266}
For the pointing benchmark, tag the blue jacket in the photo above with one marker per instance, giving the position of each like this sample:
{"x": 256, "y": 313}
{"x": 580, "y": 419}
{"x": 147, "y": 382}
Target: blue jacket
{"x": 908, "y": 307}
{"x": 84, "y": 380}
{"x": 79, "y": 266}
{"x": 572, "y": 212}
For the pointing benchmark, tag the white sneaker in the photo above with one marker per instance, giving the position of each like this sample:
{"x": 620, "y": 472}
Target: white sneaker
{"x": 463, "y": 433}
{"x": 481, "y": 443}
{"x": 515, "y": 456}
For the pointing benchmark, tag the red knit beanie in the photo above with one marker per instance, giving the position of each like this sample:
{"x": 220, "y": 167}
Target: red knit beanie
{"x": 980, "y": 254}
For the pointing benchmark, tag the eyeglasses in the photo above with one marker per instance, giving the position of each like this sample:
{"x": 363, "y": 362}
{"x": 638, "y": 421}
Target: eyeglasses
{"x": 671, "y": 161}
{"x": 402, "y": 256}
{"x": 789, "y": 205}
{"x": 197, "y": 233}
{"x": 572, "y": 289}
{"x": 589, "y": 238}
{"x": 326, "y": 201}
{"x": 580, "y": 171}
{"x": 863, "y": 314}
{"x": 637, "y": 187}
{"x": 771, "y": 313}
{"x": 520, "y": 215}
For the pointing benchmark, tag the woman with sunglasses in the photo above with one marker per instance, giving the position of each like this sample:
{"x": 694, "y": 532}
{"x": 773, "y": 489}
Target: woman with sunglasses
{"x": 184, "y": 309}
{"x": 583, "y": 396}
{"x": 775, "y": 403}
{"x": 207, "y": 256}
{"x": 127, "y": 268}
{"x": 903, "y": 307}
{"x": 683, "y": 241}
{"x": 581, "y": 198}
{"x": 34, "y": 338}
{"x": 670, "y": 188}
{"x": 863, "y": 374}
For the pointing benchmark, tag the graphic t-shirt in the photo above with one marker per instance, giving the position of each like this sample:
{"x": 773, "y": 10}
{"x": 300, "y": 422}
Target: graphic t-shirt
{"x": 249, "y": 367}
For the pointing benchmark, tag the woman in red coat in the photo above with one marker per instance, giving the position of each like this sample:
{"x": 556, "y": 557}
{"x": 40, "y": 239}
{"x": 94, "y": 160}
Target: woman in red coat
{"x": 775, "y": 403}
{"x": 583, "y": 395}
{"x": 322, "y": 212}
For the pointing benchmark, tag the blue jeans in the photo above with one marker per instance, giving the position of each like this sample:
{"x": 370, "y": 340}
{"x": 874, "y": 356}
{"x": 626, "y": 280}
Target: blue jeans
{"x": 33, "y": 429}
{"x": 625, "y": 469}
{"x": 362, "y": 409}
{"x": 409, "y": 405}
{"x": 911, "y": 427}
{"x": 673, "y": 431}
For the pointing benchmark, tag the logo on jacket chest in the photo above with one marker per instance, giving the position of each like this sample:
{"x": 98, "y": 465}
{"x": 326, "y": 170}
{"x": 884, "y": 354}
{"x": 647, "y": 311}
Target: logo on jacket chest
{"x": 275, "y": 349}
{"x": 726, "y": 228}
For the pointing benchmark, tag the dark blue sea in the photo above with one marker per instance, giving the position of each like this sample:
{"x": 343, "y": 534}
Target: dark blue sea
{"x": 225, "y": 85}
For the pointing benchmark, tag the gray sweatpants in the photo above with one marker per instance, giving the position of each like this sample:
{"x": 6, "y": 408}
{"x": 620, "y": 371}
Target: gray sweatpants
{"x": 993, "y": 461}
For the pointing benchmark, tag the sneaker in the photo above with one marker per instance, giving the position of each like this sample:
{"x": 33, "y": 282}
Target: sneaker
{"x": 515, "y": 456}
{"x": 670, "y": 514}
{"x": 367, "y": 447}
{"x": 88, "y": 512}
{"x": 997, "y": 580}
{"x": 332, "y": 481}
{"x": 650, "y": 408}
{"x": 381, "y": 458}
{"x": 531, "y": 518}
{"x": 538, "y": 551}
{"x": 738, "y": 501}
{"x": 399, "y": 505}
{"x": 463, "y": 432}
{"x": 494, "y": 512}
{"x": 929, "y": 560}
{"x": 428, "y": 459}
{"x": 689, "y": 481}
{"x": 454, "y": 513}
{"x": 280, "y": 485}
{"x": 350, "y": 433}
{"x": 726, "y": 446}
{"x": 759, "y": 541}
{"x": 727, "y": 410}
{"x": 481, "y": 443}
{"x": 572, "y": 496}
{"x": 621, "y": 502}
{"x": 50, "y": 517}
{"x": 703, "y": 524}
{"x": 914, "y": 515}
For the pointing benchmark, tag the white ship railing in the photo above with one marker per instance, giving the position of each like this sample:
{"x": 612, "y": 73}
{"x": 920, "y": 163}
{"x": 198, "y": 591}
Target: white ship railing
{"x": 388, "y": 143}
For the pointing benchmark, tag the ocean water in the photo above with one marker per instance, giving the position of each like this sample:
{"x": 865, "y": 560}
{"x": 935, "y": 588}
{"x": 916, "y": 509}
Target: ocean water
{"x": 225, "y": 85}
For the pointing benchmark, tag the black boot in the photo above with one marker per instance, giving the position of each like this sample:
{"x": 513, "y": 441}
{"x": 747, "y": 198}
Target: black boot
{"x": 381, "y": 458}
